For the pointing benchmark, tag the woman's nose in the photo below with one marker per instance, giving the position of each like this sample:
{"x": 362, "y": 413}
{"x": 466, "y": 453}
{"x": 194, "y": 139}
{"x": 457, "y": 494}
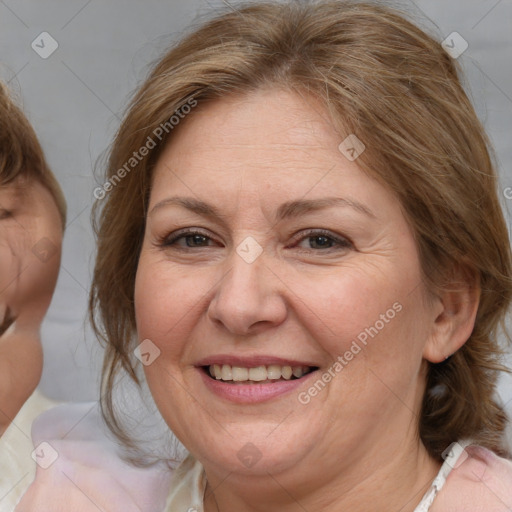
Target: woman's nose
{"x": 250, "y": 297}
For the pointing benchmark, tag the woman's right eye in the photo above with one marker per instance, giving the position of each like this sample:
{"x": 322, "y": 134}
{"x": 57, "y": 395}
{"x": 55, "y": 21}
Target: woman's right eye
{"x": 188, "y": 239}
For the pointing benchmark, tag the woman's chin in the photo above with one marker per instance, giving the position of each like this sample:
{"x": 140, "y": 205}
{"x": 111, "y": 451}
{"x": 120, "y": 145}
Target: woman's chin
{"x": 250, "y": 459}
{"x": 270, "y": 433}
{"x": 258, "y": 448}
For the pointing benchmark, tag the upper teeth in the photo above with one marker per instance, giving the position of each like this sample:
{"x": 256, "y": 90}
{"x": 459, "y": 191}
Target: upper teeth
{"x": 259, "y": 373}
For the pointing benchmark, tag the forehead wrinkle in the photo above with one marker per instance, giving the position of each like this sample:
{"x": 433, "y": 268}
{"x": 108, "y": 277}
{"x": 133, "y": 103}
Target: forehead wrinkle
{"x": 303, "y": 206}
{"x": 267, "y": 145}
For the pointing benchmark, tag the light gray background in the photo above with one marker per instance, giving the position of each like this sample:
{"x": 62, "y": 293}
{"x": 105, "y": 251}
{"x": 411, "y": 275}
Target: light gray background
{"x": 75, "y": 99}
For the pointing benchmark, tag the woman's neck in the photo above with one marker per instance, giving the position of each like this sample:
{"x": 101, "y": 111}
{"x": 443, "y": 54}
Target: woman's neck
{"x": 372, "y": 483}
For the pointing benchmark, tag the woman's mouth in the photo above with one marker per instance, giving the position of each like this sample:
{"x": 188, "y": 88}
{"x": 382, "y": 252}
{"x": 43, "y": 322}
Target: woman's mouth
{"x": 259, "y": 374}
{"x": 256, "y": 383}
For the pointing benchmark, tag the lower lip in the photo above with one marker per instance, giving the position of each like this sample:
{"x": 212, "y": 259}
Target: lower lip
{"x": 251, "y": 393}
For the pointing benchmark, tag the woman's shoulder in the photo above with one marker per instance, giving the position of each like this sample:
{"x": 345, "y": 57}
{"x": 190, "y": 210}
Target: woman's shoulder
{"x": 481, "y": 481}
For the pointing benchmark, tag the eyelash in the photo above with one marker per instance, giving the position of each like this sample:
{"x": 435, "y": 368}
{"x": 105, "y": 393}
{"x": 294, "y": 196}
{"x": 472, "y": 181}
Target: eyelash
{"x": 341, "y": 242}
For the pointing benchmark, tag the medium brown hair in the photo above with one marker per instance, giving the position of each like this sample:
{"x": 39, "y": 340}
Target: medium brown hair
{"x": 21, "y": 155}
{"x": 390, "y": 83}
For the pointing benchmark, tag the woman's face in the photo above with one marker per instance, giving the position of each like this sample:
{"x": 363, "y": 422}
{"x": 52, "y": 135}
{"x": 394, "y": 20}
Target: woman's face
{"x": 268, "y": 252}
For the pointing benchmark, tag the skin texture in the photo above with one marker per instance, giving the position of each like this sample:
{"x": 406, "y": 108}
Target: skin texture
{"x": 30, "y": 246}
{"x": 355, "y": 445}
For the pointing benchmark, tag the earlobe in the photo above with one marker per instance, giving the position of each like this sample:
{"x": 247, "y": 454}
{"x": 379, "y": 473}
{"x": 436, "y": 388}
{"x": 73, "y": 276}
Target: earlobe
{"x": 453, "y": 320}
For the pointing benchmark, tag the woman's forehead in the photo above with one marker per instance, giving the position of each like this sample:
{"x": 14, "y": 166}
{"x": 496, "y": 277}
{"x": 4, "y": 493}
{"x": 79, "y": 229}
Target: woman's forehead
{"x": 263, "y": 140}
{"x": 272, "y": 120}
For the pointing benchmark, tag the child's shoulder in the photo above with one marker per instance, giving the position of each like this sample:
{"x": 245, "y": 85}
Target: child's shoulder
{"x": 80, "y": 468}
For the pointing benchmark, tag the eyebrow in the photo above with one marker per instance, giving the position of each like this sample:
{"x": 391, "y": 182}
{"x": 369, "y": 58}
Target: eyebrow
{"x": 290, "y": 209}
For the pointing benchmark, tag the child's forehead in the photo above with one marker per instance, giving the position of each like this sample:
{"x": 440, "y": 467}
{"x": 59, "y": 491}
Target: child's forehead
{"x": 22, "y": 183}
{"x": 18, "y": 188}
{"x": 21, "y": 193}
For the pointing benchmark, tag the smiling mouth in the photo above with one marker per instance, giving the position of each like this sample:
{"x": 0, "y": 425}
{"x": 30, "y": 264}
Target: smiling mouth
{"x": 258, "y": 374}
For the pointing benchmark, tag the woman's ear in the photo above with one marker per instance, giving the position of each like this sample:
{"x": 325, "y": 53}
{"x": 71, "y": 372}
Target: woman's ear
{"x": 455, "y": 311}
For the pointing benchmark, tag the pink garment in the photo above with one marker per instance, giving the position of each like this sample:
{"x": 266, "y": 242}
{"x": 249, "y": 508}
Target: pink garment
{"x": 480, "y": 482}
{"x": 87, "y": 474}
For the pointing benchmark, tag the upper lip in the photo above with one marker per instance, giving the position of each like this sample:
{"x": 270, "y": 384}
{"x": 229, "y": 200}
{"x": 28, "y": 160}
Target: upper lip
{"x": 252, "y": 361}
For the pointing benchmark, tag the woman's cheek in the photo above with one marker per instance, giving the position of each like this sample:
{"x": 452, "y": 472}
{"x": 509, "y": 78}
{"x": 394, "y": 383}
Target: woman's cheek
{"x": 359, "y": 320}
{"x": 342, "y": 303}
{"x": 165, "y": 300}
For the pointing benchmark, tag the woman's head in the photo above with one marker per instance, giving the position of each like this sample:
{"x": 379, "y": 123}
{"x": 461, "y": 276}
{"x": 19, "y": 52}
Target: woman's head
{"x": 279, "y": 103}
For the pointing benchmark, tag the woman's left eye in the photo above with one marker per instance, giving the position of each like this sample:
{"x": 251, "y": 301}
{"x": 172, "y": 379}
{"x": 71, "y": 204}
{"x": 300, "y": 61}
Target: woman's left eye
{"x": 320, "y": 240}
